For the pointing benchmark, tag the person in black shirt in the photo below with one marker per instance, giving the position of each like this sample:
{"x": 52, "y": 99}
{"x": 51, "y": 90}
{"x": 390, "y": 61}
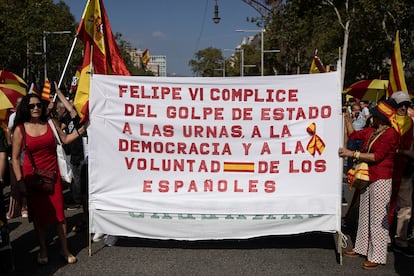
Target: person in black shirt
{"x": 75, "y": 150}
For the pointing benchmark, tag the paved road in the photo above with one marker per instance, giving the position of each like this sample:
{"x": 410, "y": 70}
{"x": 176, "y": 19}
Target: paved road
{"x": 307, "y": 254}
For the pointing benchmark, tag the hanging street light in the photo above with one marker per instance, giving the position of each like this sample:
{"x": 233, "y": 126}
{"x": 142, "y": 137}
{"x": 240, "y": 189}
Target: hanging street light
{"x": 216, "y": 18}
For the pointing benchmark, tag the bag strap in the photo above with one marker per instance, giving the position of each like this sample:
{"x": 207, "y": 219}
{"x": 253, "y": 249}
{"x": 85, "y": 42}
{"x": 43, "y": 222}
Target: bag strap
{"x": 373, "y": 138}
{"x": 53, "y": 127}
{"x": 26, "y": 149}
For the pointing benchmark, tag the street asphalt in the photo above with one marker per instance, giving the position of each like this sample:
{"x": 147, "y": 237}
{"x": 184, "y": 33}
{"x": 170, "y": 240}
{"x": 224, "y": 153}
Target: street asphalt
{"x": 304, "y": 254}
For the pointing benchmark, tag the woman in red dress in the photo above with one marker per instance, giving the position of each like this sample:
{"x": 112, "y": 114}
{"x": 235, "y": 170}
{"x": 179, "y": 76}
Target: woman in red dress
{"x": 33, "y": 135}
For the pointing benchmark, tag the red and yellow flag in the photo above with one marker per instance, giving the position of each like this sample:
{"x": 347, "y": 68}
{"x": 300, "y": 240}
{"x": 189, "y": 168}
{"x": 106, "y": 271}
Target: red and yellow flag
{"x": 46, "y": 90}
{"x": 396, "y": 78}
{"x": 316, "y": 66}
{"x": 7, "y": 77}
{"x": 145, "y": 58}
{"x": 101, "y": 52}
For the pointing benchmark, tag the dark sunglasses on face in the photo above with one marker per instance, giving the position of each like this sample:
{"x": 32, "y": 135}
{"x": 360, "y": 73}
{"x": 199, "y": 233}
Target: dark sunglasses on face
{"x": 406, "y": 104}
{"x": 32, "y": 106}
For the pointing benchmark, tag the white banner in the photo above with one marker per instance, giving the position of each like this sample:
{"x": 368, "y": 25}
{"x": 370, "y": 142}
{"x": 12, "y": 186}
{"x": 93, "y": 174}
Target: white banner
{"x": 187, "y": 148}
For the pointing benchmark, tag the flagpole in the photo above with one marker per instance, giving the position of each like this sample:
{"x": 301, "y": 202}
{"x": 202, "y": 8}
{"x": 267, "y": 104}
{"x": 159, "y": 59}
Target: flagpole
{"x": 73, "y": 45}
{"x": 68, "y": 60}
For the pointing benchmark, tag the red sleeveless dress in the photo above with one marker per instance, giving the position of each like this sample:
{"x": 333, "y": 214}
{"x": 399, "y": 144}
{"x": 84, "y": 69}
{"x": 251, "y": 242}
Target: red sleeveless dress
{"x": 43, "y": 208}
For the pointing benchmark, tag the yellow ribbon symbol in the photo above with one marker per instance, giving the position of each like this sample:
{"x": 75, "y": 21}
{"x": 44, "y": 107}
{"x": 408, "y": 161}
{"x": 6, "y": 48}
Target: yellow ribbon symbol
{"x": 315, "y": 143}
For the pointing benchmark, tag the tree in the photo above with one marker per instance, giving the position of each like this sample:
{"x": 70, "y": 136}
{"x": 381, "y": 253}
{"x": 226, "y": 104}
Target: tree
{"x": 22, "y": 24}
{"x": 299, "y": 27}
{"x": 206, "y": 61}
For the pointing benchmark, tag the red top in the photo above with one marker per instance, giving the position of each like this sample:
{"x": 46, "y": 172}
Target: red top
{"x": 384, "y": 149}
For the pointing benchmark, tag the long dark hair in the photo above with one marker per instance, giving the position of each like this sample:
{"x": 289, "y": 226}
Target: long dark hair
{"x": 23, "y": 111}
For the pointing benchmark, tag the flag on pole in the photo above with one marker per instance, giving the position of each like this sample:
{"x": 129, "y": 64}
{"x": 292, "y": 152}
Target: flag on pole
{"x": 396, "y": 78}
{"x": 145, "y": 58}
{"x": 101, "y": 53}
{"x": 46, "y": 90}
{"x": 316, "y": 66}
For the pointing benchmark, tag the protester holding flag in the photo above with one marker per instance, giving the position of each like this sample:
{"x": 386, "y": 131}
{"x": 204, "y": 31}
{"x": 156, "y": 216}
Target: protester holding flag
{"x": 372, "y": 234}
{"x": 400, "y": 205}
{"x": 401, "y": 121}
{"x": 33, "y": 134}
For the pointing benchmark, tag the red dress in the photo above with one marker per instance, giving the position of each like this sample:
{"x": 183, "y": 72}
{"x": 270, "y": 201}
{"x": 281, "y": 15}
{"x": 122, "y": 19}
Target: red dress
{"x": 43, "y": 208}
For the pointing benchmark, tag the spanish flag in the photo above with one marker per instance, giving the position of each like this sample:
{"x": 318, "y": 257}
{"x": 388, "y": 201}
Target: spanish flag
{"x": 247, "y": 167}
{"x": 316, "y": 65}
{"x": 145, "y": 58}
{"x": 101, "y": 53}
{"x": 396, "y": 78}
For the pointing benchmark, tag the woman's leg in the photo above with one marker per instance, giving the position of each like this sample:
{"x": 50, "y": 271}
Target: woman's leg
{"x": 41, "y": 235}
{"x": 380, "y": 194}
{"x": 61, "y": 230}
{"x": 361, "y": 242}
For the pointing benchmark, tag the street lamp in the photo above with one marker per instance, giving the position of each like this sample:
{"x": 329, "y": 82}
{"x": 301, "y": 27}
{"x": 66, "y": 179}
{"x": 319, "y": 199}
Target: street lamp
{"x": 242, "y": 65}
{"x": 216, "y": 18}
{"x": 262, "y": 51}
{"x": 45, "y": 33}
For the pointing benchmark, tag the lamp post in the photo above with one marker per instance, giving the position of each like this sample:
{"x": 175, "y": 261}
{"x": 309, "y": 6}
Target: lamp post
{"x": 45, "y": 33}
{"x": 241, "y": 50}
{"x": 262, "y": 50}
{"x": 261, "y": 45}
{"x": 242, "y": 65}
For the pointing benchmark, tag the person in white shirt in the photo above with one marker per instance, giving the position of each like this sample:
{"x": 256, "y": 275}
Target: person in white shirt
{"x": 365, "y": 109}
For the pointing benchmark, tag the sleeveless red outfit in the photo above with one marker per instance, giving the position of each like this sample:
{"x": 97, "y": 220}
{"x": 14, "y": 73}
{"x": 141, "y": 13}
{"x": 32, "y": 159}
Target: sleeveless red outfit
{"x": 43, "y": 208}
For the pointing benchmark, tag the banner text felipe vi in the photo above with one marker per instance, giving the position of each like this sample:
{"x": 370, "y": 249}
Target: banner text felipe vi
{"x": 214, "y": 94}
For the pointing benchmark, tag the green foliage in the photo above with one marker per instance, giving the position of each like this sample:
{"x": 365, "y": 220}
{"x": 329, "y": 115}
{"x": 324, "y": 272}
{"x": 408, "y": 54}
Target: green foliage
{"x": 207, "y": 62}
{"x": 298, "y": 27}
{"x": 22, "y": 27}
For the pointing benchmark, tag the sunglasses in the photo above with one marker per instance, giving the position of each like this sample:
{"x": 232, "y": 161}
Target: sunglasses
{"x": 32, "y": 106}
{"x": 406, "y": 104}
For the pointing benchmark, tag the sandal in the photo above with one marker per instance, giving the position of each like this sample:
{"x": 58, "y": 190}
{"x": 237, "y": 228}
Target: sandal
{"x": 69, "y": 259}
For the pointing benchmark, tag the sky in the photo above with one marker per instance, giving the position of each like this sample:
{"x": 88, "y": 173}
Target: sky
{"x": 176, "y": 28}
